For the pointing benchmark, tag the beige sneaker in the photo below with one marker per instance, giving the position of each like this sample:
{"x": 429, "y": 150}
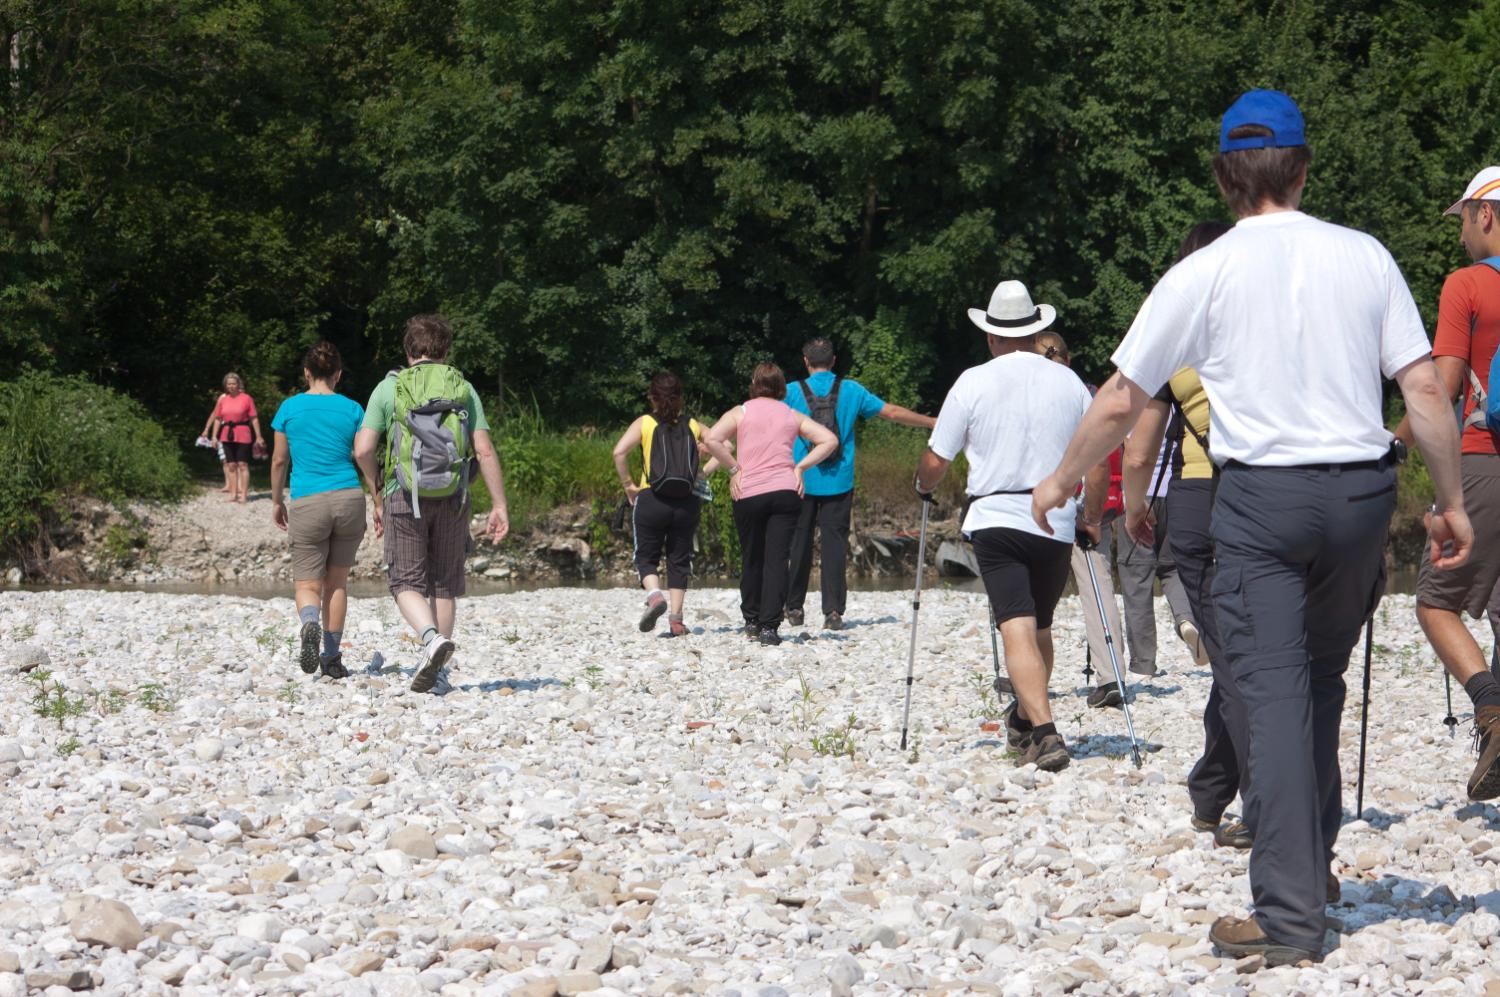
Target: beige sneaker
{"x": 1194, "y": 641}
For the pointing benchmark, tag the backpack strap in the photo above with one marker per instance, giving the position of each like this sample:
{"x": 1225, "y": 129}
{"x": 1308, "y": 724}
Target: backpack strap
{"x": 807, "y": 395}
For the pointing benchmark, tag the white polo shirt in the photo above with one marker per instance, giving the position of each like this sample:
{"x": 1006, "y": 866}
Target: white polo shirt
{"x": 1013, "y": 418}
{"x": 1290, "y": 322}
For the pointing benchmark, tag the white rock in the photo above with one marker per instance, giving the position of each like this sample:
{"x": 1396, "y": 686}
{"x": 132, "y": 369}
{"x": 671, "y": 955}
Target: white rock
{"x": 208, "y": 749}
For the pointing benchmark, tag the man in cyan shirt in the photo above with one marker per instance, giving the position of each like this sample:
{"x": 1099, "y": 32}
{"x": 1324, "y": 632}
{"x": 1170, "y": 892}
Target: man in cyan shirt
{"x": 828, "y": 497}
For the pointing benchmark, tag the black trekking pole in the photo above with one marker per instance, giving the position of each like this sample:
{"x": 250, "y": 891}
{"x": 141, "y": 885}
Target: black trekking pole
{"x": 916, "y": 607}
{"x": 1364, "y": 718}
{"x": 1088, "y": 543}
{"x": 1449, "y": 721}
{"x": 1002, "y": 683}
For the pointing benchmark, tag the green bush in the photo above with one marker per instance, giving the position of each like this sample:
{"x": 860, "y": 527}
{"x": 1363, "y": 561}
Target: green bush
{"x": 64, "y": 436}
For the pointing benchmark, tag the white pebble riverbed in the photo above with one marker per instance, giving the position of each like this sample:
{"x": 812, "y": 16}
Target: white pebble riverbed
{"x": 589, "y": 809}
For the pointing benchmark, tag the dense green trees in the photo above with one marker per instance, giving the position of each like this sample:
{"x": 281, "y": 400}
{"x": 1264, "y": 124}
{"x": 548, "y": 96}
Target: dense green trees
{"x": 593, "y": 190}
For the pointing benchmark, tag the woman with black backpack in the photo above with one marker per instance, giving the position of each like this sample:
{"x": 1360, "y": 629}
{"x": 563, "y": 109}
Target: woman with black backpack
{"x": 665, "y": 504}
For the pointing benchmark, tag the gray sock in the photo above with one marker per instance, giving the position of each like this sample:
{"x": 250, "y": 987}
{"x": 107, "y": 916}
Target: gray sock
{"x": 331, "y": 640}
{"x": 428, "y": 633}
{"x": 308, "y": 614}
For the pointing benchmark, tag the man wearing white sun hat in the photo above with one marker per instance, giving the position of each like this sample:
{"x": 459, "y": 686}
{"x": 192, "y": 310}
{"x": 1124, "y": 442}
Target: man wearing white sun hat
{"x": 1012, "y": 417}
{"x": 1464, "y": 345}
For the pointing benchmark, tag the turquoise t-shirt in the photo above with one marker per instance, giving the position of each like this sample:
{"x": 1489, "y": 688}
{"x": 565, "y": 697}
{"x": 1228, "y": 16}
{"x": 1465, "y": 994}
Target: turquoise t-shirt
{"x": 320, "y": 434}
{"x": 382, "y": 409}
{"x": 855, "y": 403}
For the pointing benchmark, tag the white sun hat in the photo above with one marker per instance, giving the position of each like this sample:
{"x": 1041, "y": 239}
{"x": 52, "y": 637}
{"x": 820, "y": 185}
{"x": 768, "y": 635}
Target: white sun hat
{"x": 1484, "y": 187}
{"x": 1011, "y": 312}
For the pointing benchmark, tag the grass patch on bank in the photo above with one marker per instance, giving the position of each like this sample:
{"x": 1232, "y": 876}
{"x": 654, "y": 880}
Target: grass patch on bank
{"x": 65, "y": 436}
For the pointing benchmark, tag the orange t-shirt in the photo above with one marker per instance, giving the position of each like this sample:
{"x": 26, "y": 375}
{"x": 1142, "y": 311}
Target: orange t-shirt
{"x": 239, "y": 409}
{"x": 1471, "y": 298}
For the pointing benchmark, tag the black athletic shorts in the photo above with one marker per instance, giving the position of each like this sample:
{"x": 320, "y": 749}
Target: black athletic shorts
{"x": 237, "y": 453}
{"x": 1023, "y": 573}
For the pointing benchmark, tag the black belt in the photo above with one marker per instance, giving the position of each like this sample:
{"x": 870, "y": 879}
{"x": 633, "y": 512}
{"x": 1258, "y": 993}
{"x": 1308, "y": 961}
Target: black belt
{"x": 1360, "y": 465}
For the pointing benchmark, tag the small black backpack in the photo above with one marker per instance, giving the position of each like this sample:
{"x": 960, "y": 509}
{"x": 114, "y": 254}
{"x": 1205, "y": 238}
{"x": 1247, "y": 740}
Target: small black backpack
{"x": 824, "y": 410}
{"x": 674, "y": 460}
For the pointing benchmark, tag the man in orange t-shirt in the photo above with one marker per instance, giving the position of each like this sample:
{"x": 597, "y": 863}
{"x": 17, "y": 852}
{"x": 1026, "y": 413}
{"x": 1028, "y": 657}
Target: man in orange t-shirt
{"x": 1467, "y": 336}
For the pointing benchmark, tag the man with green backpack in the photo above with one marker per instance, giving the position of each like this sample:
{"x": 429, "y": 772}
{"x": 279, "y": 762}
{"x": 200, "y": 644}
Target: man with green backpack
{"x": 435, "y": 431}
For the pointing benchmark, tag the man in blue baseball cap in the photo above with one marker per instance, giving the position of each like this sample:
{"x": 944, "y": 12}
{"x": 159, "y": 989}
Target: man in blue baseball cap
{"x": 1291, "y": 323}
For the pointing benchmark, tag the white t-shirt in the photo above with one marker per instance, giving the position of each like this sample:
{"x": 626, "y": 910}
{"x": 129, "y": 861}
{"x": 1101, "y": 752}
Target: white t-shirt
{"x": 1290, "y": 322}
{"x": 1013, "y": 418}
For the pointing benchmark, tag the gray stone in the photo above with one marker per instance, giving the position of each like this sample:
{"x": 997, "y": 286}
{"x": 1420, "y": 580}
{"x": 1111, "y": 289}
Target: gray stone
{"x": 596, "y": 955}
{"x": 71, "y": 977}
{"x": 844, "y": 974}
{"x": 414, "y": 841}
{"x": 26, "y": 657}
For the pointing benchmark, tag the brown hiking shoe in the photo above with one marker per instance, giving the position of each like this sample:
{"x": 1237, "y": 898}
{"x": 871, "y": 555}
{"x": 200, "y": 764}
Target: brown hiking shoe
{"x": 1016, "y": 736}
{"x": 676, "y": 626}
{"x": 1484, "y": 784}
{"x": 1242, "y": 936}
{"x": 1048, "y": 753}
{"x": 656, "y": 604}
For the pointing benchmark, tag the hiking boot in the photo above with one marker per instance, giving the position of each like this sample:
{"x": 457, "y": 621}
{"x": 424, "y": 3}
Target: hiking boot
{"x": 833, "y": 621}
{"x": 794, "y": 617}
{"x": 312, "y": 642}
{"x": 676, "y": 627}
{"x": 769, "y": 637}
{"x": 752, "y": 631}
{"x": 1049, "y": 753}
{"x": 1234, "y": 834}
{"x": 1484, "y": 784}
{"x": 1107, "y": 694}
{"x": 334, "y": 667}
{"x": 656, "y": 604}
{"x": 1242, "y": 936}
{"x": 434, "y": 656}
{"x": 1194, "y": 641}
{"x": 1017, "y": 738}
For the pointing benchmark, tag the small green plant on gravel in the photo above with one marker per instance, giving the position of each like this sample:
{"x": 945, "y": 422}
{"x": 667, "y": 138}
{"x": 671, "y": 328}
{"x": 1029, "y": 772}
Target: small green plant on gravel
{"x": 915, "y": 754}
{"x": 805, "y": 712}
{"x": 836, "y": 741}
{"x": 511, "y": 636}
{"x": 69, "y": 746}
{"x": 289, "y": 693}
{"x": 984, "y": 687}
{"x": 157, "y": 698}
{"x": 111, "y": 702}
{"x": 50, "y": 700}
{"x": 24, "y": 631}
{"x": 594, "y": 676}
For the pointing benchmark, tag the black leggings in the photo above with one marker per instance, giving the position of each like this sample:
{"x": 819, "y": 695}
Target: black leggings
{"x": 765, "y": 524}
{"x": 665, "y": 524}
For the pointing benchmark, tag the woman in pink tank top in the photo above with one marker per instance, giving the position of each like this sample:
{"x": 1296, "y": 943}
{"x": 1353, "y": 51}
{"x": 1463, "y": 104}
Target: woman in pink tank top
{"x": 767, "y": 489}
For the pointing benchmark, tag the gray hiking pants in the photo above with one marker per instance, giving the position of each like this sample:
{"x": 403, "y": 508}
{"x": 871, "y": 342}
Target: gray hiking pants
{"x": 1300, "y": 569}
{"x": 1140, "y": 568}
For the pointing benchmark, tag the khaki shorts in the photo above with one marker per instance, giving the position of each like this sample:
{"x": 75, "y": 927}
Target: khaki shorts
{"x": 427, "y": 555}
{"x": 1468, "y": 586}
{"x": 325, "y": 531}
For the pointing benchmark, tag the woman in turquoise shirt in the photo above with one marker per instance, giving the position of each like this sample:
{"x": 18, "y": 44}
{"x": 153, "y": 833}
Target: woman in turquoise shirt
{"x": 326, "y": 519}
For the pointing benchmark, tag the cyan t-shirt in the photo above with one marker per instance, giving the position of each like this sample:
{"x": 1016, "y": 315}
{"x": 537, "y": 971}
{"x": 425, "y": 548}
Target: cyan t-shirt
{"x": 320, "y": 434}
{"x": 855, "y": 403}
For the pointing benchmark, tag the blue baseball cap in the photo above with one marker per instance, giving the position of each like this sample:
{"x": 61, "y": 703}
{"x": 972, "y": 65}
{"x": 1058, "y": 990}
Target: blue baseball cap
{"x": 1268, "y": 108}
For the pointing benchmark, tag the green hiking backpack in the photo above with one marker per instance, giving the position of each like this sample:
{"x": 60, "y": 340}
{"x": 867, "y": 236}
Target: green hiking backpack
{"x": 431, "y": 440}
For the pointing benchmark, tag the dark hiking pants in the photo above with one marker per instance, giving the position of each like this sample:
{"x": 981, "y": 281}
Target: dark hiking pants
{"x": 1220, "y": 773}
{"x": 765, "y": 524}
{"x": 1300, "y": 569}
{"x": 831, "y": 515}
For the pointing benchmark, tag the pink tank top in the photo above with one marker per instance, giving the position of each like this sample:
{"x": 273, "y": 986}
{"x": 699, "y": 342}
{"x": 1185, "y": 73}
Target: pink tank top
{"x": 763, "y": 447}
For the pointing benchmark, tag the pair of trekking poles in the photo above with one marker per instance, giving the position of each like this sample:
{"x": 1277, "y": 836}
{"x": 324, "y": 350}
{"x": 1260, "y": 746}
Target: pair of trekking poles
{"x": 1088, "y": 545}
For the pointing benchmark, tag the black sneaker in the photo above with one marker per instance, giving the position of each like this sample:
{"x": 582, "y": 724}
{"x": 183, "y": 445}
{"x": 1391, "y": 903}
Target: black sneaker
{"x": 434, "y": 656}
{"x": 1107, "y": 694}
{"x": 1016, "y": 737}
{"x": 334, "y": 667}
{"x": 312, "y": 639}
{"x": 752, "y": 631}
{"x": 769, "y": 637}
{"x": 794, "y": 617}
{"x": 833, "y": 621}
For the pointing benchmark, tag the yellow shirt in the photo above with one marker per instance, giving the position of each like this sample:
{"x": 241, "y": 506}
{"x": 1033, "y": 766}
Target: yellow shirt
{"x": 648, "y": 429}
{"x": 1188, "y": 391}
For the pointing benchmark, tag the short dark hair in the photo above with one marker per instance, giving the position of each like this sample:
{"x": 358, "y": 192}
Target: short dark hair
{"x": 322, "y": 360}
{"x": 1472, "y": 207}
{"x": 1199, "y": 236}
{"x": 818, "y": 352}
{"x": 665, "y": 394}
{"x": 767, "y": 381}
{"x": 1250, "y": 177}
{"x": 428, "y": 336}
